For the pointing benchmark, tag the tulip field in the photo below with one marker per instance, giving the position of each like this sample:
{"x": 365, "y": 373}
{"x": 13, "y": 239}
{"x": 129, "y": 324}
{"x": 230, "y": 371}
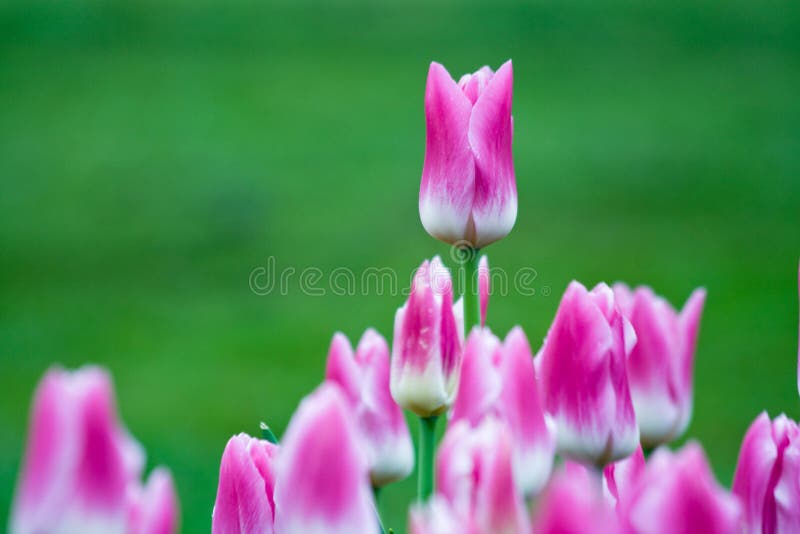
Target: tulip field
{"x": 313, "y": 248}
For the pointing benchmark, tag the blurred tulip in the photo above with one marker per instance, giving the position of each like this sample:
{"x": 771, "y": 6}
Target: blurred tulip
{"x": 484, "y": 280}
{"x": 475, "y": 475}
{"x": 678, "y": 493}
{"x": 573, "y": 504}
{"x": 153, "y": 509}
{"x": 621, "y": 477}
{"x": 364, "y": 377}
{"x": 767, "y": 478}
{"x": 80, "y": 462}
{"x": 500, "y": 381}
{"x": 426, "y": 350}
{"x": 584, "y": 382}
{"x": 468, "y": 193}
{"x": 660, "y": 365}
{"x": 322, "y": 482}
{"x": 245, "y": 502}
{"x": 437, "y": 517}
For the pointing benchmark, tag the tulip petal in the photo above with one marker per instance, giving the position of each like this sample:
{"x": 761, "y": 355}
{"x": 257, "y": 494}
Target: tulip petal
{"x": 322, "y": 483}
{"x": 480, "y": 383}
{"x": 447, "y": 189}
{"x": 341, "y": 367}
{"x": 494, "y": 209}
{"x": 154, "y": 508}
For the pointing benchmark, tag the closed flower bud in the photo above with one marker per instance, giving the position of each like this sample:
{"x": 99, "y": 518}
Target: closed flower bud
{"x": 468, "y": 192}
{"x": 428, "y": 338}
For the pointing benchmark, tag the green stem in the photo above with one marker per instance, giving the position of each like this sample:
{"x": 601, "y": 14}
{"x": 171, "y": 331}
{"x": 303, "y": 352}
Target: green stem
{"x": 427, "y": 437}
{"x": 469, "y": 266}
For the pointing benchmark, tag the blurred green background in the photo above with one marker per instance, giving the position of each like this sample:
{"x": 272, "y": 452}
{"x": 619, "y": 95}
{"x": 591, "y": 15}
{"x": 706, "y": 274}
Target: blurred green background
{"x": 153, "y": 154}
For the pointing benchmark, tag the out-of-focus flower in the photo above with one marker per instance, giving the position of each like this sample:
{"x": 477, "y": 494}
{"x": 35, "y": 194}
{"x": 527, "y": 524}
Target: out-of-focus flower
{"x": 660, "y": 365}
{"x": 81, "y": 465}
{"x": 484, "y": 280}
{"x": 428, "y": 337}
{"x": 573, "y": 504}
{"x": 468, "y": 192}
{"x": 364, "y": 377}
{"x": 767, "y": 478}
{"x": 153, "y": 508}
{"x": 500, "y": 381}
{"x": 322, "y": 479}
{"x": 584, "y": 381}
{"x": 245, "y": 502}
{"x": 678, "y": 493}
{"x": 437, "y": 517}
{"x": 475, "y": 475}
{"x": 621, "y": 477}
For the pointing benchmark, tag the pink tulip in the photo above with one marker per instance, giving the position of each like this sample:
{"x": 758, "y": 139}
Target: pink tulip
{"x": 678, "y": 493}
{"x": 322, "y": 483}
{"x": 573, "y": 504}
{"x": 80, "y": 462}
{"x": 428, "y": 336}
{"x": 660, "y": 365}
{"x": 483, "y": 287}
{"x": 153, "y": 509}
{"x": 500, "y": 381}
{"x": 364, "y": 377}
{"x": 245, "y": 502}
{"x": 584, "y": 382}
{"x": 437, "y": 517}
{"x": 468, "y": 192}
{"x": 767, "y": 478}
{"x": 475, "y": 475}
{"x": 621, "y": 478}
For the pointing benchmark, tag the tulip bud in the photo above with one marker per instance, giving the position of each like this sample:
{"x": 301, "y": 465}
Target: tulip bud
{"x": 678, "y": 493}
{"x": 483, "y": 287}
{"x": 153, "y": 509}
{"x": 468, "y": 192}
{"x": 584, "y": 382}
{"x": 244, "y": 502}
{"x": 475, "y": 475}
{"x": 767, "y": 478}
{"x": 572, "y": 504}
{"x": 500, "y": 381}
{"x": 364, "y": 377}
{"x": 426, "y": 350}
{"x": 322, "y": 483}
{"x": 80, "y": 462}
{"x": 660, "y": 365}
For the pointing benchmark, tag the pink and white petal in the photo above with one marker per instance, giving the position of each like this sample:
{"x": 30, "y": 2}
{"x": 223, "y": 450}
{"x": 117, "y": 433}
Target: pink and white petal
{"x": 322, "y": 484}
{"x": 757, "y": 457}
{"x": 787, "y": 488}
{"x": 447, "y": 189}
{"x": 342, "y": 369}
{"x": 154, "y": 509}
{"x": 494, "y": 209}
{"x": 480, "y": 383}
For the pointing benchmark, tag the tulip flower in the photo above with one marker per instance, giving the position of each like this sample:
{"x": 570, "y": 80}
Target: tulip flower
{"x": 572, "y": 504}
{"x": 364, "y": 377}
{"x": 468, "y": 193}
{"x": 322, "y": 479}
{"x": 660, "y": 365}
{"x": 245, "y": 502}
{"x": 500, "y": 381}
{"x": 475, "y": 475}
{"x": 153, "y": 509}
{"x": 82, "y": 468}
{"x": 678, "y": 493}
{"x": 584, "y": 383}
{"x": 621, "y": 477}
{"x": 426, "y": 350}
{"x": 767, "y": 478}
{"x": 483, "y": 287}
{"x": 437, "y": 517}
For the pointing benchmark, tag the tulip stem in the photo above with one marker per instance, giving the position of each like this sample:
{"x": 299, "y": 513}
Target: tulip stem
{"x": 469, "y": 264}
{"x": 427, "y": 438}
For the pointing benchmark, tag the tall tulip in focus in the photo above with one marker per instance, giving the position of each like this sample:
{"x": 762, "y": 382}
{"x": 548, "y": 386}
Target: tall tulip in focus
{"x": 499, "y": 380}
{"x": 82, "y": 469}
{"x": 584, "y": 381}
{"x": 767, "y": 479}
{"x": 364, "y": 377}
{"x": 468, "y": 193}
{"x": 660, "y": 365}
{"x": 322, "y": 477}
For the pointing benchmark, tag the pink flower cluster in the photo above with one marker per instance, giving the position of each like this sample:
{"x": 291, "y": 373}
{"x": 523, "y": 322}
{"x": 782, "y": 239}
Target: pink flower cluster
{"x": 546, "y": 444}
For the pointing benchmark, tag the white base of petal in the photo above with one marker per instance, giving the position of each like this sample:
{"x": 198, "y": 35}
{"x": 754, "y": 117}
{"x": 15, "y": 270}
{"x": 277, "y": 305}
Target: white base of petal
{"x": 443, "y": 222}
{"x": 594, "y": 447}
{"x": 393, "y": 460}
{"x": 422, "y": 393}
{"x": 660, "y": 420}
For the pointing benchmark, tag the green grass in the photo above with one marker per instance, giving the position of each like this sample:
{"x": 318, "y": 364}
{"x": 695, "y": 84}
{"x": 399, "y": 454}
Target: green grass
{"x": 152, "y": 155}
